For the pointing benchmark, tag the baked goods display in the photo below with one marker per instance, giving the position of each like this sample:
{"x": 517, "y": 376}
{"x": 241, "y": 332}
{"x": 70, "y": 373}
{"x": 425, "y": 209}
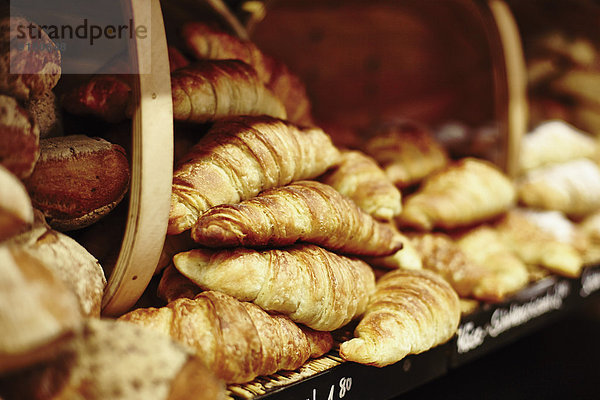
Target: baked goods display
{"x": 279, "y": 242}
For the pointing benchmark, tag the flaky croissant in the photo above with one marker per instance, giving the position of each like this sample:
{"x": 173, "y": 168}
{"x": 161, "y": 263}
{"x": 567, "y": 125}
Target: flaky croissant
{"x": 410, "y": 312}
{"x": 504, "y": 272}
{"x": 239, "y": 158}
{"x": 359, "y": 177}
{"x": 213, "y": 89}
{"x": 533, "y": 245}
{"x": 467, "y": 192}
{"x": 406, "y": 151}
{"x": 307, "y": 211}
{"x": 237, "y": 340}
{"x": 205, "y": 42}
{"x": 312, "y": 286}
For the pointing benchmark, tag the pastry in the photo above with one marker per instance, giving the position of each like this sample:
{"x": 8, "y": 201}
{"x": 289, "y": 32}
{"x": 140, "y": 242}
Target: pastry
{"x": 106, "y": 96}
{"x": 410, "y": 312}
{"x": 536, "y": 246}
{"x": 406, "y": 151}
{"x": 44, "y": 110}
{"x": 572, "y": 188}
{"x": 116, "y": 360}
{"x": 208, "y": 90}
{"x": 19, "y": 138}
{"x": 239, "y": 158}
{"x": 16, "y": 212}
{"x": 467, "y": 192}
{"x": 504, "y": 273}
{"x": 68, "y": 260}
{"x": 205, "y": 42}
{"x": 360, "y": 178}
{"x": 307, "y": 211}
{"x": 25, "y": 73}
{"x": 441, "y": 255}
{"x": 312, "y": 286}
{"x": 554, "y": 142}
{"x": 406, "y": 258}
{"x": 173, "y": 285}
{"x": 78, "y": 180}
{"x": 236, "y": 340}
{"x": 37, "y": 312}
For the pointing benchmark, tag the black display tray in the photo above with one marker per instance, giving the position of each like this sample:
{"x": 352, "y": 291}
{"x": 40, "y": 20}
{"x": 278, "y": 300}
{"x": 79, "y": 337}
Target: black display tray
{"x": 488, "y": 328}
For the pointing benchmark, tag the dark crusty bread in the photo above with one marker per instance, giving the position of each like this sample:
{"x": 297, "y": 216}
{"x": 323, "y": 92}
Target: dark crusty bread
{"x": 19, "y": 138}
{"x": 78, "y": 180}
{"x": 26, "y": 73}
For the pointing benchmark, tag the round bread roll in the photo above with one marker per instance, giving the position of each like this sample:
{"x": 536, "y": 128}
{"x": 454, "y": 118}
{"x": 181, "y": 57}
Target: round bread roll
{"x": 78, "y": 180}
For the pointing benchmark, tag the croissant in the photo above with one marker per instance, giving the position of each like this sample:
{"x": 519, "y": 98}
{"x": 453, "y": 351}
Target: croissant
{"x": 410, "y": 312}
{"x": 468, "y": 192}
{"x": 173, "y": 285}
{"x": 359, "y": 177}
{"x": 407, "y": 257}
{"x": 108, "y": 97}
{"x": 572, "y": 188}
{"x": 312, "y": 286}
{"x": 554, "y": 142}
{"x": 205, "y": 42}
{"x": 533, "y": 245}
{"x": 407, "y": 152}
{"x": 440, "y": 254}
{"x": 236, "y": 340}
{"x": 239, "y": 158}
{"x": 504, "y": 272}
{"x": 306, "y": 211}
{"x": 209, "y": 90}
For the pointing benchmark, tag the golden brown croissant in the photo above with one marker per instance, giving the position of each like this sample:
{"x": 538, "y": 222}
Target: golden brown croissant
{"x": 406, "y": 258}
{"x": 205, "y": 42}
{"x": 504, "y": 273}
{"x": 407, "y": 152}
{"x": 237, "y": 340}
{"x": 441, "y": 255}
{"x": 213, "y": 89}
{"x": 410, "y": 312}
{"x": 312, "y": 286}
{"x": 359, "y": 177}
{"x": 239, "y": 158}
{"x": 108, "y": 97}
{"x": 533, "y": 245}
{"x": 307, "y": 211}
{"x": 572, "y": 188}
{"x": 116, "y": 360}
{"x": 465, "y": 193}
{"x": 173, "y": 285}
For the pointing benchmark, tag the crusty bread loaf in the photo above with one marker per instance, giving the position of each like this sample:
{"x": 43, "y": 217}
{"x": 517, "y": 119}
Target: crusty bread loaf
{"x": 36, "y": 310}
{"x": 68, "y": 260}
{"x": 25, "y": 73}
{"x": 19, "y": 138}
{"x": 117, "y": 360}
{"x": 77, "y": 180}
{"x": 16, "y": 212}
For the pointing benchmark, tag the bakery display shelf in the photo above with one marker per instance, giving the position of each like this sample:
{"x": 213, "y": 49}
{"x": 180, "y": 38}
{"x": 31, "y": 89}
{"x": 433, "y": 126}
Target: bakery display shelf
{"x": 485, "y": 330}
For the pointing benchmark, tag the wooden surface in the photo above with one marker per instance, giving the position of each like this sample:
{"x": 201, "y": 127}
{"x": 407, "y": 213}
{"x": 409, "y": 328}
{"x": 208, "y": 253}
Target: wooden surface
{"x": 151, "y": 170}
